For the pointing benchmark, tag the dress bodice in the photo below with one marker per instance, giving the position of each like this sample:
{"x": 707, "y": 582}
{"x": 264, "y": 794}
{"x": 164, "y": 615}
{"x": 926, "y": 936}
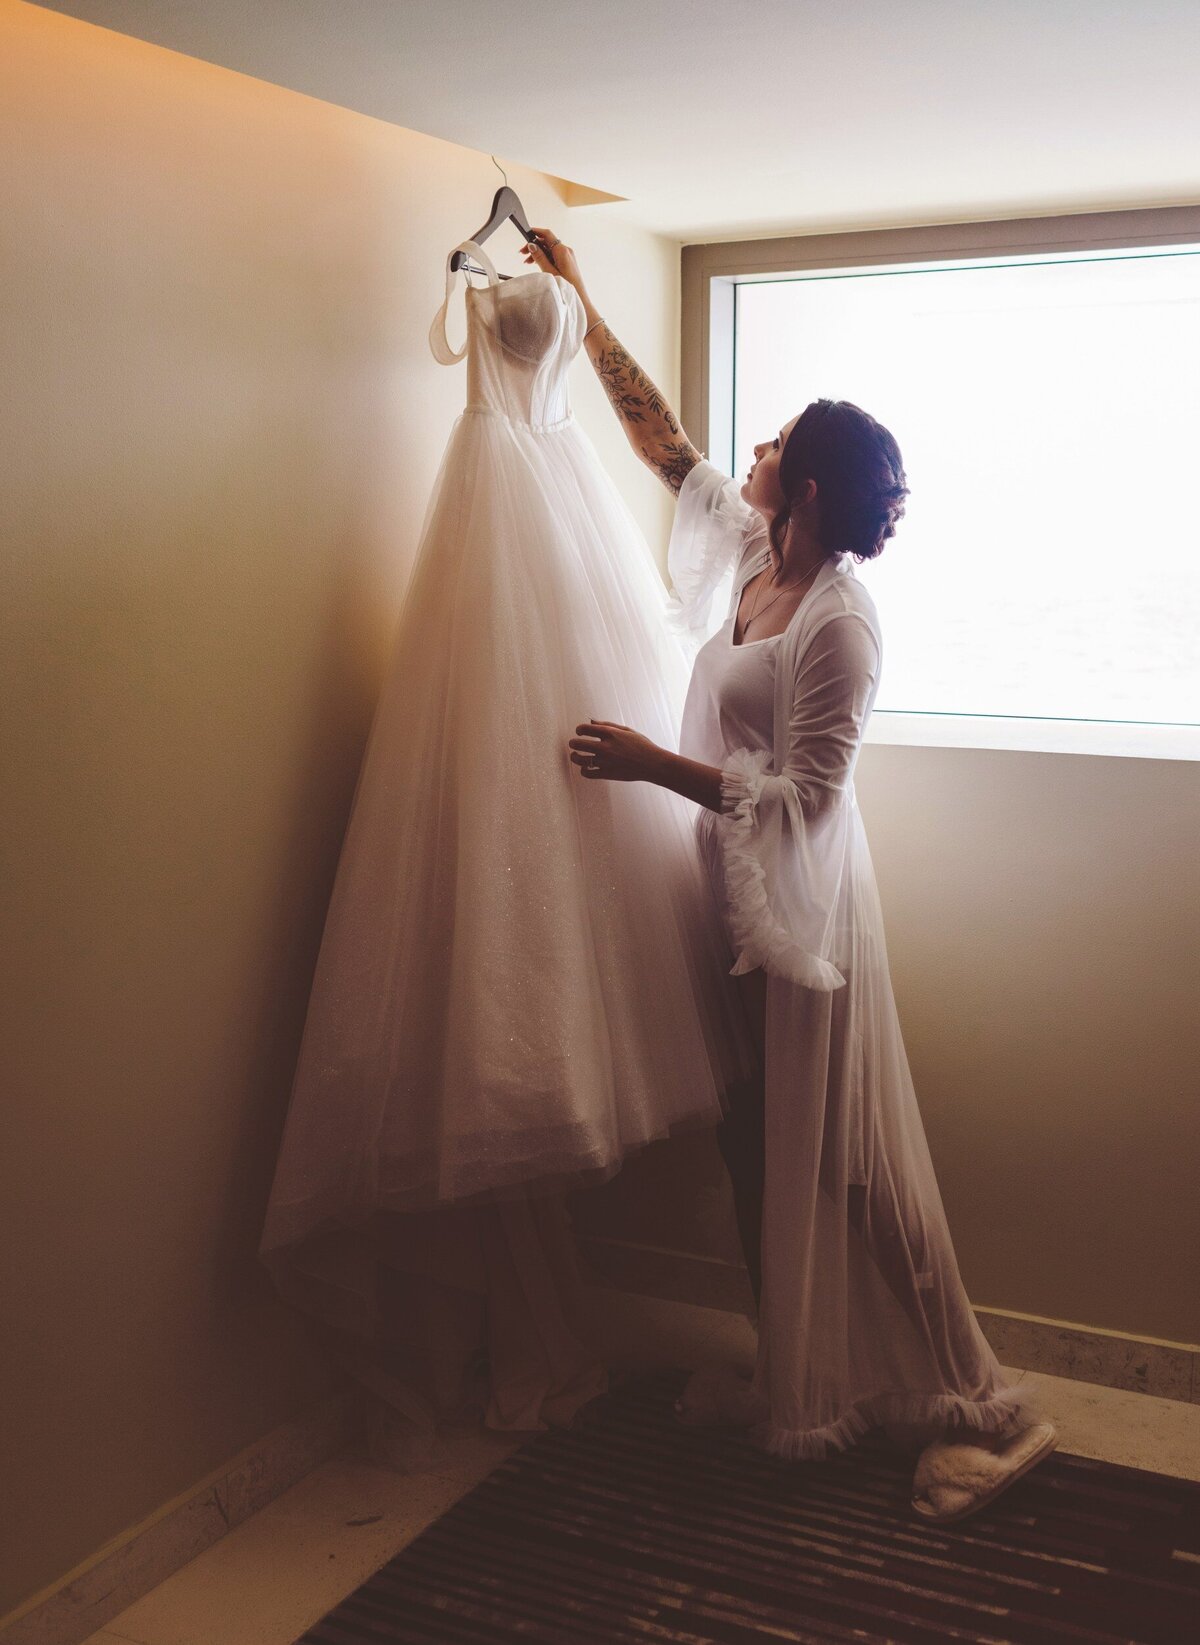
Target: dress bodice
{"x": 522, "y": 335}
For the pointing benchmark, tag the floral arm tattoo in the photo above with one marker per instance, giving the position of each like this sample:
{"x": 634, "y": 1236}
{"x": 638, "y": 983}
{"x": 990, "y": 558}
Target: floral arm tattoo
{"x": 650, "y": 424}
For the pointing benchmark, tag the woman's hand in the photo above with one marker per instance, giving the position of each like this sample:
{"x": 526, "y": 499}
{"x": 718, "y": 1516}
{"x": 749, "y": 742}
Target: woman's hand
{"x": 554, "y": 256}
{"x": 614, "y": 752}
{"x": 602, "y": 749}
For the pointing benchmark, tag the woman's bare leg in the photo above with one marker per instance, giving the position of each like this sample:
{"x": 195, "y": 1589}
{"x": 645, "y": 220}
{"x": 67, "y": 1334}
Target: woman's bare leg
{"x": 889, "y": 1251}
{"x": 740, "y": 1135}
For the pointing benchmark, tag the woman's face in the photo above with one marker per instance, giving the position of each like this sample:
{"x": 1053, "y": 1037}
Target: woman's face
{"x": 761, "y": 489}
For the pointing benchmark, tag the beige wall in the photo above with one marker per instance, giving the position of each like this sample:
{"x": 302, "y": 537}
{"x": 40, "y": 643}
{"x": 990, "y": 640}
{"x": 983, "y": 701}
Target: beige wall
{"x": 224, "y": 421}
{"x": 1042, "y": 919}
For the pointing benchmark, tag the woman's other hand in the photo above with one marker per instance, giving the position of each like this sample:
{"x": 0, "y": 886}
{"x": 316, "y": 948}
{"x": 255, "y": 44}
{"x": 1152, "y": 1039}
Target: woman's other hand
{"x": 614, "y": 752}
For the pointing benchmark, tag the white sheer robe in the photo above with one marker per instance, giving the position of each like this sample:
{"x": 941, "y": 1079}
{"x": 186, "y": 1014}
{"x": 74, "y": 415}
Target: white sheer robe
{"x": 863, "y": 1319}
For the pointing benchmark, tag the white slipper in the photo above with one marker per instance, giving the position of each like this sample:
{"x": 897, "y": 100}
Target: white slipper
{"x": 954, "y": 1478}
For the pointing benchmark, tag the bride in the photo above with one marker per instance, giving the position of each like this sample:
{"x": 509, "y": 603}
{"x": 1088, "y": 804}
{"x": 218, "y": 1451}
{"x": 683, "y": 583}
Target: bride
{"x": 863, "y": 1320}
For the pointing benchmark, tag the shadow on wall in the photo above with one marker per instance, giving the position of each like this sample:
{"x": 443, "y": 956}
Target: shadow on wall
{"x": 341, "y": 679}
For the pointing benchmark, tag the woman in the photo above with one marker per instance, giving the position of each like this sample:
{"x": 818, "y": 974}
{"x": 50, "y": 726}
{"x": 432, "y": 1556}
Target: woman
{"x": 863, "y": 1319}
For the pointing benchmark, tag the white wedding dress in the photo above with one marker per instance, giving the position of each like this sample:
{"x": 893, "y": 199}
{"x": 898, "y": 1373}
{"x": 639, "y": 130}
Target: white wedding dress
{"x": 521, "y": 976}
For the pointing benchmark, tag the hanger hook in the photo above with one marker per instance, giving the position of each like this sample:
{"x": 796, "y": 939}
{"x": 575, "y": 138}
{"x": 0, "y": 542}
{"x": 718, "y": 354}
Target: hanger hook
{"x": 500, "y": 169}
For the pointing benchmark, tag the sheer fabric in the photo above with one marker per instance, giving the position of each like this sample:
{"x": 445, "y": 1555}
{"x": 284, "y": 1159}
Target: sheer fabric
{"x": 863, "y": 1318}
{"x": 462, "y": 1315}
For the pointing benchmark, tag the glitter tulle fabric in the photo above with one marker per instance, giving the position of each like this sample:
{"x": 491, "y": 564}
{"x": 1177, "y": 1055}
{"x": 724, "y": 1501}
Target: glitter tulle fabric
{"x": 863, "y": 1317}
{"x": 521, "y": 977}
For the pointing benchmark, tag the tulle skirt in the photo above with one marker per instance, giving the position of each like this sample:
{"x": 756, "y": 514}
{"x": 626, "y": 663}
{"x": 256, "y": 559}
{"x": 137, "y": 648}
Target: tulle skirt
{"x": 522, "y": 975}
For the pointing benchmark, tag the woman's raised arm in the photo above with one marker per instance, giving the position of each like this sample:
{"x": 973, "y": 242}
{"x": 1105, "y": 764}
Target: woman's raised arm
{"x": 650, "y": 425}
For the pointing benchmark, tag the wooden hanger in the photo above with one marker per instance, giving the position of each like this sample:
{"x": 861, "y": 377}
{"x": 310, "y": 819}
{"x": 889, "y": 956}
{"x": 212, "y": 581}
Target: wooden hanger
{"x": 506, "y": 206}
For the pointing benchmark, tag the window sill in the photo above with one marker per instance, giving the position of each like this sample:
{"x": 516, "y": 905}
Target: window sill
{"x": 1124, "y": 739}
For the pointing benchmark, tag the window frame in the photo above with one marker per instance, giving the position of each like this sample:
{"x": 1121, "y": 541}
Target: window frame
{"x": 709, "y": 276}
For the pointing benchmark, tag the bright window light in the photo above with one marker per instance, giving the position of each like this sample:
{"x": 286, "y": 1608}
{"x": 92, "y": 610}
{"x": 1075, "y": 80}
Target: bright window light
{"x": 1048, "y": 412}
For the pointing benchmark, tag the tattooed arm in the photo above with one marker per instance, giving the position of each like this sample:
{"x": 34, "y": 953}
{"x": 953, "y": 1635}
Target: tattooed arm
{"x": 650, "y": 425}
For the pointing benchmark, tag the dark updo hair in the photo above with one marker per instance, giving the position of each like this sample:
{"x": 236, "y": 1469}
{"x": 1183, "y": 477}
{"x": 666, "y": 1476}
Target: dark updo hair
{"x": 860, "y": 478}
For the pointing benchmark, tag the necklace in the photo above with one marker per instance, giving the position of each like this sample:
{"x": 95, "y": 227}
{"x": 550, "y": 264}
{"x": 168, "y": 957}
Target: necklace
{"x": 787, "y": 587}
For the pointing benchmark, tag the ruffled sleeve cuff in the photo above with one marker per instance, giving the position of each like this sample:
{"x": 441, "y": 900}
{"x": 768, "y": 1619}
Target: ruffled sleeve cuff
{"x": 711, "y": 529}
{"x": 760, "y": 938}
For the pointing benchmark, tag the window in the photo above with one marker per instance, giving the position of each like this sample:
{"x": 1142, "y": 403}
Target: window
{"x": 1043, "y": 589}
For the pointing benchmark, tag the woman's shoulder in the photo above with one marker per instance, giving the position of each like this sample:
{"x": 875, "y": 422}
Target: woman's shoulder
{"x": 846, "y": 594}
{"x": 839, "y": 597}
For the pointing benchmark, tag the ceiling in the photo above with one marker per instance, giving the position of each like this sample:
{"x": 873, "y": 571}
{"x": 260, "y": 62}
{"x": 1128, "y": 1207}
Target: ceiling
{"x": 714, "y": 119}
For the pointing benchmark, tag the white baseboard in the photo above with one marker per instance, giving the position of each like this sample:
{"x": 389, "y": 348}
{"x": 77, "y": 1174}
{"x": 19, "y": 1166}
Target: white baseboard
{"x": 140, "y": 1558}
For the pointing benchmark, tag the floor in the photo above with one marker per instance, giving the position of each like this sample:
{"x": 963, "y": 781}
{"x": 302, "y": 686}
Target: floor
{"x": 272, "y": 1577}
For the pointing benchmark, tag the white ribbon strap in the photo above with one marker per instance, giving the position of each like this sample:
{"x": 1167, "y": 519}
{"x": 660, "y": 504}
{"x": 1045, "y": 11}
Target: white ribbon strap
{"x": 438, "y": 341}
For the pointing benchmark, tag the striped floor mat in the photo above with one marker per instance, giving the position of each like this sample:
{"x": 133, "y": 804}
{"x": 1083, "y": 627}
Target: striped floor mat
{"x": 628, "y": 1527}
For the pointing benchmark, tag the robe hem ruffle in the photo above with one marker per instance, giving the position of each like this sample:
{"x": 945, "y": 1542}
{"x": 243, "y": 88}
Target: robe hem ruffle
{"x": 945, "y": 1411}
